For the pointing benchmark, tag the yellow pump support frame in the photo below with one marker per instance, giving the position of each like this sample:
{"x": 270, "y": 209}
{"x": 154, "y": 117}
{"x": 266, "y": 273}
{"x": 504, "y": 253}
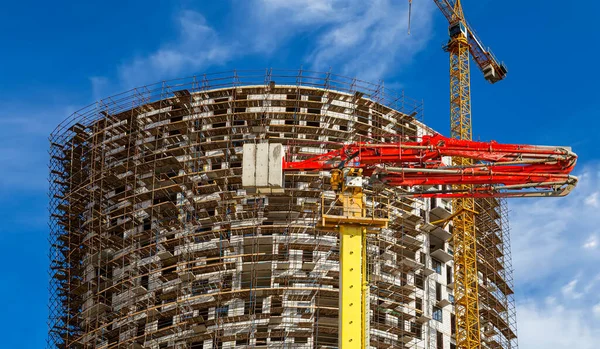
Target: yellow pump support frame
{"x": 353, "y": 226}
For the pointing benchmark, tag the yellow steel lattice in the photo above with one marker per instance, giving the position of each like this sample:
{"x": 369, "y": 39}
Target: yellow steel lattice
{"x": 464, "y": 237}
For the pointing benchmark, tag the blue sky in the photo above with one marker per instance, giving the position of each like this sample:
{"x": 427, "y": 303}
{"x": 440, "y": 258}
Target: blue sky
{"x": 59, "y": 56}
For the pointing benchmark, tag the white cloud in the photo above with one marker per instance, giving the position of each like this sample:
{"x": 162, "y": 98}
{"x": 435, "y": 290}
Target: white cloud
{"x": 306, "y": 12}
{"x": 548, "y": 233}
{"x": 366, "y": 39}
{"x": 198, "y": 45}
{"x": 359, "y": 38}
{"x": 591, "y": 284}
{"x": 558, "y": 304}
{"x": 596, "y": 309}
{"x": 592, "y": 200}
{"x": 555, "y": 326}
{"x": 24, "y": 144}
{"x": 569, "y": 290}
{"x": 591, "y": 243}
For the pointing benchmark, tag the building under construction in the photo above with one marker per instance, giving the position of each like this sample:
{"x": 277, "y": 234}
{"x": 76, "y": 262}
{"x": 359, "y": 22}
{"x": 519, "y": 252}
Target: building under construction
{"x": 155, "y": 243}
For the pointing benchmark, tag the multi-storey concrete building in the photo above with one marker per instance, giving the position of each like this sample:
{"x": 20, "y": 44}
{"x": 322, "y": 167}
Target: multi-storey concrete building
{"x": 156, "y": 244}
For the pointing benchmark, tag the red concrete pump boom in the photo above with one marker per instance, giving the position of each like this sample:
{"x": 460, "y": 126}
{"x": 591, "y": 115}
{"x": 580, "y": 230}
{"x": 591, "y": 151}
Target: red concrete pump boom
{"x": 498, "y": 170}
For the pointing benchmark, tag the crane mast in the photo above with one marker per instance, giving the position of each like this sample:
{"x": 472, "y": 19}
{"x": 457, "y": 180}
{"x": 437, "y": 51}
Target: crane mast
{"x": 464, "y": 238}
{"x": 462, "y": 42}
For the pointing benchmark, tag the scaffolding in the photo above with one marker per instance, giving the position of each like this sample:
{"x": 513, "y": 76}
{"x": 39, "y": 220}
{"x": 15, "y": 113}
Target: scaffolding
{"x": 156, "y": 244}
{"x": 496, "y": 297}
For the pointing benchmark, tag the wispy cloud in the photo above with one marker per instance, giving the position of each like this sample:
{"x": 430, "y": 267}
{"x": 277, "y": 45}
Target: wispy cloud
{"x": 556, "y": 267}
{"x": 366, "y": 39}
{"x": 591, "y": 242}
{"x": 198, "y": 45}
{"x": 549, "y": 324}
{"x": 373, "y": 40}
{"x": 592, "y": 199}
{"x": 24, "y": 132}
{"x": 549, "y": 233}
{"x": 354, "y": 37}
{"x": 569, "y": 290}
{"x": 596, "y": 310}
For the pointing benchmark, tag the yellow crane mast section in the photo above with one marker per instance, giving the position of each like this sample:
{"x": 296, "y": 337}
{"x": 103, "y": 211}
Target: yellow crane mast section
{"x": 463, "y": 41}
{"x": 464, "y": 236}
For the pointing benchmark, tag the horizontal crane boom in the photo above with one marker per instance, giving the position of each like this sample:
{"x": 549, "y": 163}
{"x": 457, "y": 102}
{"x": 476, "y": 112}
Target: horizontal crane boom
{"x": 492, "y": 70}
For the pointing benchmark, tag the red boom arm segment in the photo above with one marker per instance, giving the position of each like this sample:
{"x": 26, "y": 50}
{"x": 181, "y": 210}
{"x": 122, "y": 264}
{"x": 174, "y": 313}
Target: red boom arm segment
{"x": 500, "y": 170}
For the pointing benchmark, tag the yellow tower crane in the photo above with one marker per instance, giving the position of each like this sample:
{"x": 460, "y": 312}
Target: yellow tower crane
{"x": 462, "y": 43}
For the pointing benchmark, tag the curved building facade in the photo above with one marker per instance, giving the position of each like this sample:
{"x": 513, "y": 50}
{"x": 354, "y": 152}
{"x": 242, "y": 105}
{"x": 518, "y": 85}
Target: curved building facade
{"x": 155, "y": 243}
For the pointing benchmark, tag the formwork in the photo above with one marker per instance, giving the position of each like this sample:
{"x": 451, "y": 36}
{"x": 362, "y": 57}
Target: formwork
{"x": 156, "y": 244}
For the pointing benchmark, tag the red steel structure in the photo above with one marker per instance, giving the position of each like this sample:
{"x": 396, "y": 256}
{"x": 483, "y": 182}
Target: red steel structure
{"x": 497, "y": 170}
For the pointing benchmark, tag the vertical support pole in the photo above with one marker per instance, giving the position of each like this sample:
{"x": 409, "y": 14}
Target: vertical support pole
{"x": 351, "y": 286}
